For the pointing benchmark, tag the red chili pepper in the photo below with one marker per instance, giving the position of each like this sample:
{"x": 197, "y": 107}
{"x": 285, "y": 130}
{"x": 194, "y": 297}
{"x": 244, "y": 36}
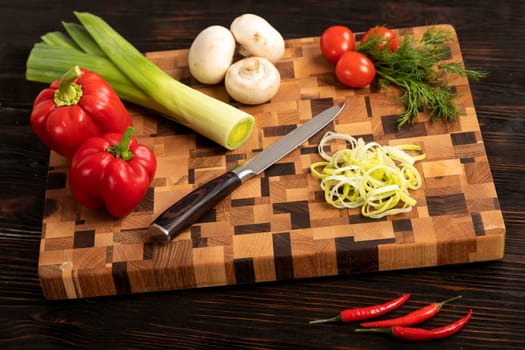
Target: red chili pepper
{"x": 112, "y": 171}
{"x": 76, "y": 107}
{"x": 421, "y": 334}
{"x": 363, "y": 313}
{"x": 411, "y": 318}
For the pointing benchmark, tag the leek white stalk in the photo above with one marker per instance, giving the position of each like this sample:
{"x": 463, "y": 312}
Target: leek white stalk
{"x": 218, "y": 121}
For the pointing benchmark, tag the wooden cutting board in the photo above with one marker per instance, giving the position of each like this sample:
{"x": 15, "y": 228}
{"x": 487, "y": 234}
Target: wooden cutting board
{"x": 277, "y": 226}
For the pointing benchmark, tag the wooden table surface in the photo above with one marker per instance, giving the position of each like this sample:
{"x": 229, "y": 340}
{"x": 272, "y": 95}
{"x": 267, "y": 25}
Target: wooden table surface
{"x": 265, "y": 315}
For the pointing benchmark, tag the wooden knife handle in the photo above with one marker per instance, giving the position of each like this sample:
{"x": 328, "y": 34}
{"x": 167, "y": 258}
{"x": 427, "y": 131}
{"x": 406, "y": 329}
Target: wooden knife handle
{"x": 190, "y": 208}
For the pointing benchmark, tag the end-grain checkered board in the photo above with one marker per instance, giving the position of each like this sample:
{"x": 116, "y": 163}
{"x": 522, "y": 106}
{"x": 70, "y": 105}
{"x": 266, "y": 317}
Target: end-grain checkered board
{"x": 277, "y": 226}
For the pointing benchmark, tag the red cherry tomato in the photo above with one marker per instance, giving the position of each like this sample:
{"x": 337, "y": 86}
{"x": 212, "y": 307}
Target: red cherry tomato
{"x": 384, "y": 34}
{"x": 335, "y": 41}
{"x": 355, "y": 69}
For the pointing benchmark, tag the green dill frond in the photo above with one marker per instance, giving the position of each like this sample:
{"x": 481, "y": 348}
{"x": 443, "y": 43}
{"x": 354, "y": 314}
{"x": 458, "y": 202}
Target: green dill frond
{"x": 417, "y": 69}
{"x": 442, "y": 105}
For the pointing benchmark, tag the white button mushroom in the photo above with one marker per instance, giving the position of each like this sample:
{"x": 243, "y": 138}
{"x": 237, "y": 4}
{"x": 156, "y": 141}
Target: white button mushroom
{"x": 257, "y": 37}
{"x": 211, "y": 54}
{"x": 252, "y": 80}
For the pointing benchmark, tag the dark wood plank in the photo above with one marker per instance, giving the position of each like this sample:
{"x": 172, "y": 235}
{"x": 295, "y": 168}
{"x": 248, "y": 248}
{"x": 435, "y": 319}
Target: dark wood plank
{"x": 272, "y": 315}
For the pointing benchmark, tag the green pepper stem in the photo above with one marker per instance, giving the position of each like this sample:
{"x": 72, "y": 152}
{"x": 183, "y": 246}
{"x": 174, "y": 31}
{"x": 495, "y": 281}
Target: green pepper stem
{"x": 121, "y": 149}
{"x": 68, "y": 92}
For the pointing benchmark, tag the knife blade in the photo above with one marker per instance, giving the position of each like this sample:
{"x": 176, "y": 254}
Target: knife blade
{"x": 190, "y": 208}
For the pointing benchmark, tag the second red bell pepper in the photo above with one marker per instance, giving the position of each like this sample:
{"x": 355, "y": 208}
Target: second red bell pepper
{"x": 112, "y": 171}
{"x": 76, "y": 107}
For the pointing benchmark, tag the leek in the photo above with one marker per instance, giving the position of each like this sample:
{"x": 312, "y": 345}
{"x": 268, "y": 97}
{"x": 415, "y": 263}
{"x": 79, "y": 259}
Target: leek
{"x": 59, "y": 39}
{"x": 95, "y": 46}
{"x": 47, "y": 63}
{"x": 369, "y": 176}
{"x": 82, "y": 38}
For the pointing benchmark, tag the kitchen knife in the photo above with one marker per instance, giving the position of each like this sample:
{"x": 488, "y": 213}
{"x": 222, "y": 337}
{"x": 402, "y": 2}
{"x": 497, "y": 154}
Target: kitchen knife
{"x": 190, "y": 208}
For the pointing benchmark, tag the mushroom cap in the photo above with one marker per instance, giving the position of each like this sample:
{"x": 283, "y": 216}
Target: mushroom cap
{"x": 257, "y": 37}
{"x": 211, "y": 54}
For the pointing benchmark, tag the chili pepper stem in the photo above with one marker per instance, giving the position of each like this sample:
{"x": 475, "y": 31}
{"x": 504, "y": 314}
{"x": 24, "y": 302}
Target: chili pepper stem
{"x": 326, "y": 320}
{"x": 68, "y": 92}
{"x": 442, "y": 303}
{"x": 386, "y": 330}
{"x": 121, "y": 150}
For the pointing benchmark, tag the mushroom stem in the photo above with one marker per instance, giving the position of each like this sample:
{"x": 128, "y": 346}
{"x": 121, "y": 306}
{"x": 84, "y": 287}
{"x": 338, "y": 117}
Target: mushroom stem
{"x": 250, "y": 67}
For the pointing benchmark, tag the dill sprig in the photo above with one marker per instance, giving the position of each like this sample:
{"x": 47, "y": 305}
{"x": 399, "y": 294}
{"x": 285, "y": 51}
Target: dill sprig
{"x": 417, "y": 69}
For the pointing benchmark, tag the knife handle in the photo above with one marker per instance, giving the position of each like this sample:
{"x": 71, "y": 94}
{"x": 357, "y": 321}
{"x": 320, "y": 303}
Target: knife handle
{"x": 190, "y": 208}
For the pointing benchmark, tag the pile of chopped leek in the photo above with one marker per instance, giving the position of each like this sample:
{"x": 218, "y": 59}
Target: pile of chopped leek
{"x": 367, "y": 175}
{"x": 96, "y": 46}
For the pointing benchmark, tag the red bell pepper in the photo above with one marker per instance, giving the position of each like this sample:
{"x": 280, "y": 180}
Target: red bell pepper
{"x": 76, "y": 107}
{"x": 112, "y": 171}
